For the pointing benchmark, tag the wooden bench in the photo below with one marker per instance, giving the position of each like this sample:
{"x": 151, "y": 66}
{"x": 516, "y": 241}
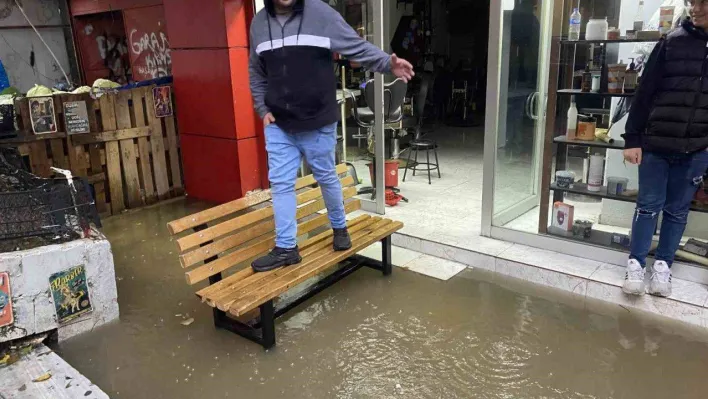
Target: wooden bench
{"x": 227, "y": 238}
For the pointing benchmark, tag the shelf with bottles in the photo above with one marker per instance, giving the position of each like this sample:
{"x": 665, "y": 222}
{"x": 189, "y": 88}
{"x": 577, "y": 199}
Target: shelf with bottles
{"x": 621, "y": 40}
{"x": 598, "y": 31}
{"x": 579, "y": 92}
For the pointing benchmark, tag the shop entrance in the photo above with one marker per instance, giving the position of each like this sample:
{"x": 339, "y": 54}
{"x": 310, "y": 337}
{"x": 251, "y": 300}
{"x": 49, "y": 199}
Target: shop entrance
{"x": 443, "y": 115}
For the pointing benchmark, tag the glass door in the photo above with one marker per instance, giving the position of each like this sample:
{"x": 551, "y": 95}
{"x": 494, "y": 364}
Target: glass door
{"x": 519, "y": 50}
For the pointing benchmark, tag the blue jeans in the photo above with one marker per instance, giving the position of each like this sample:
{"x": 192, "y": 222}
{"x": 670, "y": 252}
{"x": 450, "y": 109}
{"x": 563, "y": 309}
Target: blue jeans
{"x": 284, "y": 157}
{"x": 667, "y": 183}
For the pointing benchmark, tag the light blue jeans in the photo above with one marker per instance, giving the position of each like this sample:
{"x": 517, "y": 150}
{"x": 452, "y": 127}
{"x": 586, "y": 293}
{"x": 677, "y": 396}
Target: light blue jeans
{"x": 284, "y": 156}
{"x": 667, "y": 183}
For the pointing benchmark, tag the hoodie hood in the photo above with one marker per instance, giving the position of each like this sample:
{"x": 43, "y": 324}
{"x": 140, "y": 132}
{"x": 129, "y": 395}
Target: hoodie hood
{"x": 270, "y": 6}
{"x": 694, "y": 30}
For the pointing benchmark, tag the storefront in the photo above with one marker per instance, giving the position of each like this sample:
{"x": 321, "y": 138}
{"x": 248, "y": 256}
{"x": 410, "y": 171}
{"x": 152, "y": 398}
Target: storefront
{"x": 532, "y": 82}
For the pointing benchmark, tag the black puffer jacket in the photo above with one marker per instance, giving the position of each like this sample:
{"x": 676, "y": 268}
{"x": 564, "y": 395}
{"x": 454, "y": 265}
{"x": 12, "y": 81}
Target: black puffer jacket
{"x": 670, "y": 109}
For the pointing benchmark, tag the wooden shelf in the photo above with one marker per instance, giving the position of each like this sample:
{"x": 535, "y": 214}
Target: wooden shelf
{"x": 616, "y": 41}
{"x": 617, "y": 145}
{"x": 582, "y": 188}
{"x": 578, "y": 92}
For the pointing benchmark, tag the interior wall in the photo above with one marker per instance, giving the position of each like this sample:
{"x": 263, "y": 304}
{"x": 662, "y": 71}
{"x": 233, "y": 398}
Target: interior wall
{"x": 26, "y": 60}
{"x": 621, "y": 213}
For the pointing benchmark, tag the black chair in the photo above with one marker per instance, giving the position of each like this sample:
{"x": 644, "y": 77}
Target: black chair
{"x": 419, "y": 143}
{"x": 394, "y": 95}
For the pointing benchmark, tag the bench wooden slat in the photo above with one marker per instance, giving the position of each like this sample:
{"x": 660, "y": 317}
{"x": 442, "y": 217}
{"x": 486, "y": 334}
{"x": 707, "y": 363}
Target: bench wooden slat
{"x": 205, "y": 271}
{"x": 224, "y": 297}
{"x": 231, "y": 225}
{"x": 303, "y": 228}
{"x": 317, "y": 264}
{"x": 209, "y": 215}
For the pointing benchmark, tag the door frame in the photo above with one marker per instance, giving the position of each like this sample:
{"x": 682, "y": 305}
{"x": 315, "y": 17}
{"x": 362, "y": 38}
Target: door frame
{"x": 495, "y": 115}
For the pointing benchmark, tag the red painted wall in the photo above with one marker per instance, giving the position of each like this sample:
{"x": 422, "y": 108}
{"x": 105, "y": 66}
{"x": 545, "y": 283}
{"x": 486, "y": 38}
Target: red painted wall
{"x": 148, "y": 45}
{"x": 81, "y": 7}
{"x": 139, "y": 26}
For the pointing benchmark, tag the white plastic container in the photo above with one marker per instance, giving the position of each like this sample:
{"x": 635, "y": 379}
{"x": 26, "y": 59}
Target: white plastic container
{"x": 596, "y": 29}
{"x": 572, "y": 126}
{"x": 595, "y": 174}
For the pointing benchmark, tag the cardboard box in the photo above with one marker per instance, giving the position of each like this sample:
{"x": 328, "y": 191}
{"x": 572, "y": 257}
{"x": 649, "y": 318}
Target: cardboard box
{"x": 563, "y": 216}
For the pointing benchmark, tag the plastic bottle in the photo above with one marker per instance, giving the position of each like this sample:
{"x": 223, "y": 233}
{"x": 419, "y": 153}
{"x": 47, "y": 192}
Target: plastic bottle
{"x": 572, "y": 120}
{"x": 586, "y": 84}
{"x": 574, "y": 29}
{"x": 639, "y": 18}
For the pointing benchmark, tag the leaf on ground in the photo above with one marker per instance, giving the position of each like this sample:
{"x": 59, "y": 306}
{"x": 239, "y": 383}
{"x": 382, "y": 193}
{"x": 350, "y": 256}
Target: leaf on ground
{"x": 43, "y": 377}
{"x": 188, "y": 321}
{"x": 88, "y": 393}
{"x": 5, "y": 359}
{"x": 23, "y": 388}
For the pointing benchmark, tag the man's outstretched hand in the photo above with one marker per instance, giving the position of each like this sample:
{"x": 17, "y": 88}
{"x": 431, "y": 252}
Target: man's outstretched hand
{"x": 402, "y": 68}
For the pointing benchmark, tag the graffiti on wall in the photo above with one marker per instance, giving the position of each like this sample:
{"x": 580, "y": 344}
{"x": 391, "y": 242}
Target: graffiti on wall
{"x": 154, "y": 49}
{"x": 113, "y": 50}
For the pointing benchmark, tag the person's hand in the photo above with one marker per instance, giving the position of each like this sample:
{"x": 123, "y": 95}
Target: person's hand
{"x": 401, "y": 68}
{"x": 268, "y": 119}
{"x": 633, "y": 155}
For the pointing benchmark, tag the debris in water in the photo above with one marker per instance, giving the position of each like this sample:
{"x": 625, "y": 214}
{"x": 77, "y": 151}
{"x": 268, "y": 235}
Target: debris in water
{"x": 188, "y": 321}
{"x": 211, "y": 375}
{"x": 398, "y": 386}
{"x": 178, "y": 315}
{"x": 43, "y": 377}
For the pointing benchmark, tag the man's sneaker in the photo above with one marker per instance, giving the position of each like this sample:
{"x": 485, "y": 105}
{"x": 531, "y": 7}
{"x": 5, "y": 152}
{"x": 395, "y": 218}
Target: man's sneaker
{"x": 634, "y": 279}
{"x": 278, "y": 257}
{"x": 660, "y": 283}
{"x": 342, "y": 241}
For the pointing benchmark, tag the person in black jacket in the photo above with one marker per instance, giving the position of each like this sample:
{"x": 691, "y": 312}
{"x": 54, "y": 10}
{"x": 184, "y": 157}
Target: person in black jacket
{"x": 667, "y": 136}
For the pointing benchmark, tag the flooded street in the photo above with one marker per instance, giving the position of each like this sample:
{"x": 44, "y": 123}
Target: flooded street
{"x": 478, "y": 335}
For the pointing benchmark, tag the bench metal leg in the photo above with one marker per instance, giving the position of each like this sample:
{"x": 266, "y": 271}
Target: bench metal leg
{"x": 267, "y": 325}
{"x": 387, "y": 266}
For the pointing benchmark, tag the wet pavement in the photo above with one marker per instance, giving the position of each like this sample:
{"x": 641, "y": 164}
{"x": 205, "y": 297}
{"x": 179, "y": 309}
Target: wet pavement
{"x": 408, "y": 336}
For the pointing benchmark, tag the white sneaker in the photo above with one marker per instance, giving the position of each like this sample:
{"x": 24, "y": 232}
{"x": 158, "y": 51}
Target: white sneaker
{"x": 660, "y": 283}
{"x": 634, "y": 279}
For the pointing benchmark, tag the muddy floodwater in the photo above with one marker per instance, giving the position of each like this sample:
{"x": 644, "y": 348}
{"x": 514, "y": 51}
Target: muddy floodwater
{"x": 478, "y": 335}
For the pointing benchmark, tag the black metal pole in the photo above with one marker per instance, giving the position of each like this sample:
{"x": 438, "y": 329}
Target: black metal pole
{"x": 268, "y": 324}
{"x": 386, "y": 256}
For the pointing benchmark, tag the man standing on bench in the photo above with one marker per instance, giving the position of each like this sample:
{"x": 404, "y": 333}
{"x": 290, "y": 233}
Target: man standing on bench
{"x": 294, "y": 91}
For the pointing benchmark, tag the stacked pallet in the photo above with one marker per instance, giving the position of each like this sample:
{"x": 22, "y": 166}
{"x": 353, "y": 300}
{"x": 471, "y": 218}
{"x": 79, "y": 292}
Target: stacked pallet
{"x": 130, "y": 156}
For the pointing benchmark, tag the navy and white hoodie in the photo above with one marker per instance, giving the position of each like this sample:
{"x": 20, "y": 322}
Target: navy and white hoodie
{"x": 291, "y": 68}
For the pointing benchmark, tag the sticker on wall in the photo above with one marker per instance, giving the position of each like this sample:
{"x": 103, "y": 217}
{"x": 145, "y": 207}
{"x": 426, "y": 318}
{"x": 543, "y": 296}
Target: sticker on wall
{"x": 42, "y": 115}
{"x": 76, "y": 117}
{"x": 162, "y": 96}
{"x": 6, "y": 315}
{"x": 70, "y": 293}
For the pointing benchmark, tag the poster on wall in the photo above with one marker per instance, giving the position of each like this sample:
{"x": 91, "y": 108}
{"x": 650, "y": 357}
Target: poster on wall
{"x": 76, "y": 117}
{"x": 162, "y": 96}
{"x": 42, "y": 115}
{"x": 6, "y": 315}
{"x": 70, "y": 293}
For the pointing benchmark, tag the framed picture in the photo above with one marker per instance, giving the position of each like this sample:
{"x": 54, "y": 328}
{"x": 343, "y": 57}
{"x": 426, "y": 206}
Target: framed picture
{"x": 70, "y": 293}
{"x": 6, "y": 314}
{"x": 162, "y": 96}
{"x": 42, "y": 115}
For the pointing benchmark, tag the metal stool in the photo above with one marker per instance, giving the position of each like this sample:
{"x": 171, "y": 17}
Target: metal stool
{"x": 427, "y": 146}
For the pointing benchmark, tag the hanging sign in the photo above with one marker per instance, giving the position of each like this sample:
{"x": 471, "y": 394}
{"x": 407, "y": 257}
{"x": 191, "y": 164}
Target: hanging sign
{"x": 76, "y": 117}
{"x": 162, "y": 96}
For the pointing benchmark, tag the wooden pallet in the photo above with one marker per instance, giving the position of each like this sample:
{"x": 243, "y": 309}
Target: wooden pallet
{"x": 131, "y": 157}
